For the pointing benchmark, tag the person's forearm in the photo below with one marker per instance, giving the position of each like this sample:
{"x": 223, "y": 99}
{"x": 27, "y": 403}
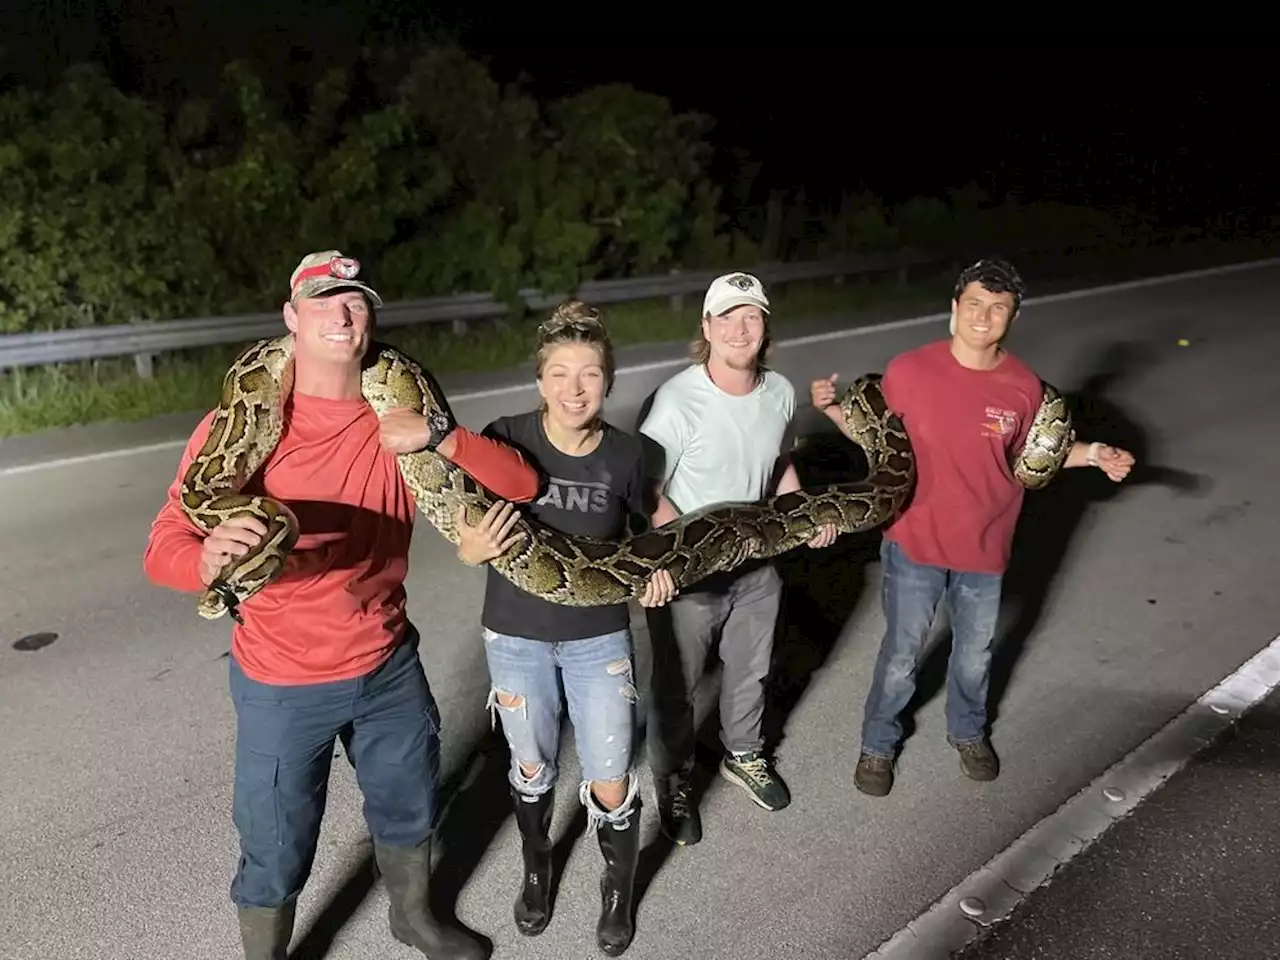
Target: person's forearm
{"x": 496, "y": 466}
{"x": 172, "y": 557}
{"x": 836, "y": 416}
{"x": 664, "y": 512}
{"x": 790, "y": 480}
{"x": 1079, "y": 455}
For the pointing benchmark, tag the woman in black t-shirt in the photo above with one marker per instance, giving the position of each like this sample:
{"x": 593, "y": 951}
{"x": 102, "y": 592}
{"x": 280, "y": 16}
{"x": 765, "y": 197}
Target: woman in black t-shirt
{"x": 595, "y": 484}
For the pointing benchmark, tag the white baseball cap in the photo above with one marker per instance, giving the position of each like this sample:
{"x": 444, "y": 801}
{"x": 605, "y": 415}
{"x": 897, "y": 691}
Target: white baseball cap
{"x": 734, "y": 290}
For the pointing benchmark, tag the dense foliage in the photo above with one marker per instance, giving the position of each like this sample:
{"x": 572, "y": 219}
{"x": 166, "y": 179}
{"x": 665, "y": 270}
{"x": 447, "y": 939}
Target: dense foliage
{"x": 441, "y": 180}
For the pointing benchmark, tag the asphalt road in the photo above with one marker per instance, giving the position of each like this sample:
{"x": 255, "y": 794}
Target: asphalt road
{"x": 1128, "y": 603}
{"x": 1192, "y": 874}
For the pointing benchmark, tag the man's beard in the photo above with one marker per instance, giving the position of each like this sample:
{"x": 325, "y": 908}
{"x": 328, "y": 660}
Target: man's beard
{"x": 739, "y": 362}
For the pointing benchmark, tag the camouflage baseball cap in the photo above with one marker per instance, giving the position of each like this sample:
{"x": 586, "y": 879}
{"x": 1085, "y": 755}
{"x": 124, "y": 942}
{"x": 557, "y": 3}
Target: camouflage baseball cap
{"x": 327, "y": 270}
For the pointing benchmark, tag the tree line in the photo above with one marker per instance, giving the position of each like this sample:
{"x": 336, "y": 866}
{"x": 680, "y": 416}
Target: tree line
{"x": 439, "y": 178}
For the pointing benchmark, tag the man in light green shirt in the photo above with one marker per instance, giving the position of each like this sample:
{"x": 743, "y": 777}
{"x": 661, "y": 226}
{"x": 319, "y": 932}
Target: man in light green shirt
{"x": 723, "y": 431}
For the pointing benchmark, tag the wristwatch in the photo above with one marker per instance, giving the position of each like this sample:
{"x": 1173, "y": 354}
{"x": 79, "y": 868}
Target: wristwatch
{"x": 439, "y": 425}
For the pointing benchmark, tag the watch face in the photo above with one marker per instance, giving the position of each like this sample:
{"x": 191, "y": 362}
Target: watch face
{"x": 438, "y": 425}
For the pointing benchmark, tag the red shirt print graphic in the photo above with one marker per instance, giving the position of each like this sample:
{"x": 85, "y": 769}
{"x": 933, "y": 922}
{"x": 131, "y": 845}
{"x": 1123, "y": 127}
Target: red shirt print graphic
{"x": 999, "y": 422}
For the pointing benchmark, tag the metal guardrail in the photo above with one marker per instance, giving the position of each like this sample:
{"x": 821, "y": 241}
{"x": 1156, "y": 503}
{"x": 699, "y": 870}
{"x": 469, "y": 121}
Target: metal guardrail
{"x": 144, "y": 340}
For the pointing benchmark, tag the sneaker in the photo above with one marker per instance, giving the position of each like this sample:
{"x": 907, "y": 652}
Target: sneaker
{"x": 978, "y": 760}
{"x": 678, "y": 817}
{"x": 873, "y": 775}
{"x": 755, "y": 774}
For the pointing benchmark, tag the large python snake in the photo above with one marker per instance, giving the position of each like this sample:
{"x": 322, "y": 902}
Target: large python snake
{"x": 568, "y": 570}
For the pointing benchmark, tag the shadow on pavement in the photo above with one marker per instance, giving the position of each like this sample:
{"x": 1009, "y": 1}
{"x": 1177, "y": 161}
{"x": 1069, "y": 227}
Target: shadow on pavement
{"x": 476, "y": 804}
{"x": 822, "y": 588}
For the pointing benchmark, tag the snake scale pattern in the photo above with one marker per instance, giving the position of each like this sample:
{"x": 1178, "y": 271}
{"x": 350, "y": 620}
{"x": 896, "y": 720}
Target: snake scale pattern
{"x": 567, "y": 570}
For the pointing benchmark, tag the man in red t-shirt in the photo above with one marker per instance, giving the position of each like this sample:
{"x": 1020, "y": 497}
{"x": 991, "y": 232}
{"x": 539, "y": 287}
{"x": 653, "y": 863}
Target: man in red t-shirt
{"x": 967, "y": 404}
{"x": 327, "y": 651}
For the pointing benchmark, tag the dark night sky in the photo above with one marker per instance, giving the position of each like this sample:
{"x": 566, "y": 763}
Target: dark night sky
{"x": 1180, "y": 129}
{"x": 1147, "y": 121}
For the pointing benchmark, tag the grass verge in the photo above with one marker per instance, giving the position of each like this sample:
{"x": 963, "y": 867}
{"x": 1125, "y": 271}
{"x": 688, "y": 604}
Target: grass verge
{"x": 45, "y": 398}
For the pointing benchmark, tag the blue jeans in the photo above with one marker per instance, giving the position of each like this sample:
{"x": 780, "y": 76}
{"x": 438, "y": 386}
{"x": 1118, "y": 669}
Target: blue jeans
{"x": 389, "y": 727}
{"x": 910, "y": 593}
{"x": 597, "y": 674}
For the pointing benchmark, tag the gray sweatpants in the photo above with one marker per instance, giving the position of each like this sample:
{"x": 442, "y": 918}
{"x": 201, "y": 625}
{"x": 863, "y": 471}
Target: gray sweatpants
{"x": 740, "y": 611}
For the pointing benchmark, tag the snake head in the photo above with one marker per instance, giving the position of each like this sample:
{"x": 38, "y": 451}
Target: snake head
{"x": 220, "y": 598}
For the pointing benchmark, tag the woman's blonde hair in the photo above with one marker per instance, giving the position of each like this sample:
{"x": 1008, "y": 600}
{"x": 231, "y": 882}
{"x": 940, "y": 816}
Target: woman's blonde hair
{"x": 576, "y": 322}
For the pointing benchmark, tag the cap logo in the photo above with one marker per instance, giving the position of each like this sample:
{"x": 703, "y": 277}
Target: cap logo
{"x": 741, "y": 281}
{"x": 344, "y": 268}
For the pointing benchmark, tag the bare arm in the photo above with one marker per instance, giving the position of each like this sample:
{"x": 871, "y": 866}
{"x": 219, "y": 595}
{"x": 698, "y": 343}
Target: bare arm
{"x": 663, "y": 436}
{"x": 664, "y": 512}
{"x": 1078, "y": 455}
{"x": 789, "y": 482}
{"x": 1112, "y": 461}
{"x": 822, "y": 394}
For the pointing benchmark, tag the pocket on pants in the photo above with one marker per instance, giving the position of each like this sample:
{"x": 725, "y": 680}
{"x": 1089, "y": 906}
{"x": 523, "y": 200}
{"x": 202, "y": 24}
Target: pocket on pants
{"x": 433, "y": 718}
{"x": 256, "y": 804}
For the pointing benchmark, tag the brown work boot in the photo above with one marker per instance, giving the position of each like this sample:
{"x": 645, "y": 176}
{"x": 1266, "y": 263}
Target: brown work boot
{"x": 978, "y": 760}
{"x": 874, "y": 775}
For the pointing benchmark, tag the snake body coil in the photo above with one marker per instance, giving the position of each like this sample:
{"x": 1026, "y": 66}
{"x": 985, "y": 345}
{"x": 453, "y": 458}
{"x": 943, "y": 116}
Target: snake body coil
{"x": 568, "y": 570}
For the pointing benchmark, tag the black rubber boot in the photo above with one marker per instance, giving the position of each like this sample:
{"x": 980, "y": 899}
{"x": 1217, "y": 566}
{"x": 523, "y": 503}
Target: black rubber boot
{"x": 621, "y": 849}
{"x": 533, "y": 906}
{"x": 265, "y": 931}
{"x": 407, "y": 873}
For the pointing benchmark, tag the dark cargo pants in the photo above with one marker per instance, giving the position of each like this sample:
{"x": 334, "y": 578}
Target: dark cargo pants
{"x": 389, "y": 726}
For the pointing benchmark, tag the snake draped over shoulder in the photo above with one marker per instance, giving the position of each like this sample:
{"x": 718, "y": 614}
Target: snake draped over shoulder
{"x": 1048, "y": 441}
{"x": 568, "y": 570}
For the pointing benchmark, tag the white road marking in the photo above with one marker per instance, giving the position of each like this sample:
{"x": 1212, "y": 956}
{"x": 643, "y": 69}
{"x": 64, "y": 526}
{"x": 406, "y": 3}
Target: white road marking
{"x": 990, "y": 893}
{"x": 90, "y": 457}
{"x": 455, "y": 398}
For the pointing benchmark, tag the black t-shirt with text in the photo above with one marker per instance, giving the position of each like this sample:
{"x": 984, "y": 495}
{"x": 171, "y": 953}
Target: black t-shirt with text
{"x": 593, "y": 495}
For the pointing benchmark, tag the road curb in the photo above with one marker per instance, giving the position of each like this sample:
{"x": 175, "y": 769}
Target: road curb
{"x": 992, "y": 892}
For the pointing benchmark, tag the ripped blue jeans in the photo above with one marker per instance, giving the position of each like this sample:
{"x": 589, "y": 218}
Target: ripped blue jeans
{"x": 596, "y": 675}
{"x": 911, "y": 593}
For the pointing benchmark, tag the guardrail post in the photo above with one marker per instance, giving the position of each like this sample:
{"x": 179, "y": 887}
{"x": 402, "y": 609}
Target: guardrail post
{"x": 459, "y": 325}
{"x": 677, "y": 299}
{"x": 144, "y": 363}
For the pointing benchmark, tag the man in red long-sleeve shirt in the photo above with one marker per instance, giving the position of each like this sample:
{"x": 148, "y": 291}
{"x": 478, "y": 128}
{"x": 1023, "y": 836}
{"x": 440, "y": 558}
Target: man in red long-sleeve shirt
{"x": 327, "y": 651}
